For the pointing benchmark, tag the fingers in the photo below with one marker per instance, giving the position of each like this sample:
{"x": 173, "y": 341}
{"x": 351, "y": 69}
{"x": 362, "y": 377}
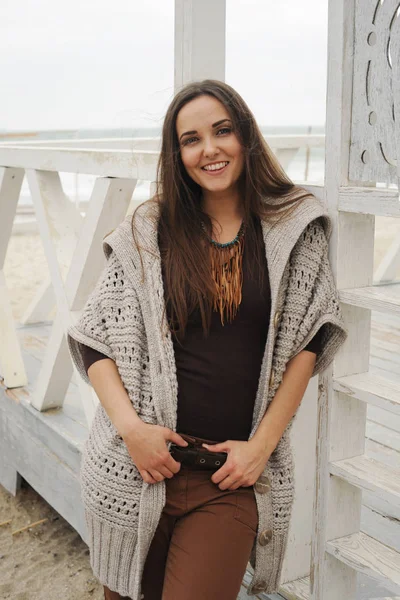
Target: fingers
{"x": 165, "y": 471}
{"x": 229, "y": 483}
{"x": 172, "y": 464}
{"x": 222, "y": 473}
{"x": 156, "y": 475}
{"x": 147, "y": 478}
{"x": 172, "y": 436}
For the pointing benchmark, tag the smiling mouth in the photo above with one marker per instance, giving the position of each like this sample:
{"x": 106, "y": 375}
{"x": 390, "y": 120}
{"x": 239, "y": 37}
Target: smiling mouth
{"x": 221, "y": 166}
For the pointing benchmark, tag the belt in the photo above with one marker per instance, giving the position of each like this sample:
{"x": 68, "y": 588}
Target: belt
{"x": 198, "y": 457}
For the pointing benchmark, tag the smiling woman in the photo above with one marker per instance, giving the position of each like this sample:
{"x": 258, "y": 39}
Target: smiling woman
{"x": 215, "y": 308}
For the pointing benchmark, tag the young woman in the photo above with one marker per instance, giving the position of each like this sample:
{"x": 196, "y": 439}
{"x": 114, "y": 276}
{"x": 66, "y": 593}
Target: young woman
{"x": 215, "y": 307}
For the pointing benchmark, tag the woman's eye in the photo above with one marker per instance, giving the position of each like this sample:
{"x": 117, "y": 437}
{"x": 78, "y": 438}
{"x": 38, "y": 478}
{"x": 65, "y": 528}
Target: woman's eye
{"x": 226, "y": 129}
{"x": 189, "y": 140}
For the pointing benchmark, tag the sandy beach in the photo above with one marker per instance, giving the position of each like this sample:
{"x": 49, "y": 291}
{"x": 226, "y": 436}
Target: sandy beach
{"x": 49, "y": 560}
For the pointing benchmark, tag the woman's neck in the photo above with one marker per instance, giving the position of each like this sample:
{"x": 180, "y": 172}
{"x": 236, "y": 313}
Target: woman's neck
{"x": 223, "y": 207}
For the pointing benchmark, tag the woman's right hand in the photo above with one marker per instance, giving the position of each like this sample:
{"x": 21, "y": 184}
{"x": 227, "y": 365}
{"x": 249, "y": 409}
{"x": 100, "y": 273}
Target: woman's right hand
{"x": 147, "y": 446}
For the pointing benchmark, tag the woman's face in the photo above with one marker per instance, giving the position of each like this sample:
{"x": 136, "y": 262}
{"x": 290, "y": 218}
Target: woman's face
{"x": 210, "y": 151}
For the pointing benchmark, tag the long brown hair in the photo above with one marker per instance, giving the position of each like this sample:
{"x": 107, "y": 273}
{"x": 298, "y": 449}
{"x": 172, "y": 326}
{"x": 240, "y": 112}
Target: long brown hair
{"x": 185, "y": 260}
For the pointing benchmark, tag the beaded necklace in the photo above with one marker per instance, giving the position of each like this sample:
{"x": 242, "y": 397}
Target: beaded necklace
{"x": 226, "y": 269}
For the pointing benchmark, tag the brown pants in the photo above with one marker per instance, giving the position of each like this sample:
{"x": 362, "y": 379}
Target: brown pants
{"x": 203, "y": 541}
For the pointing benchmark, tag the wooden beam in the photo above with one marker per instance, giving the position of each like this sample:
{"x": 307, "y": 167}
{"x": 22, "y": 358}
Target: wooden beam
{"x": 129, "y": 164}
{"x": 199, "y": 41}
{"x": 370, "y": 201}
{"x": 385, "y": 298}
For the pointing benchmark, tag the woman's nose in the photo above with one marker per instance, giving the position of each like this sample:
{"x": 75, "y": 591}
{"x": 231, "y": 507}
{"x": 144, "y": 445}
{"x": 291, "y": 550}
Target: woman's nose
{"x": 210, "y": 148}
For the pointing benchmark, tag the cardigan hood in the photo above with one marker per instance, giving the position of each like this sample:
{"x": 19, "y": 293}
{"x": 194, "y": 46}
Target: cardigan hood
{"x": 124, "y": 319}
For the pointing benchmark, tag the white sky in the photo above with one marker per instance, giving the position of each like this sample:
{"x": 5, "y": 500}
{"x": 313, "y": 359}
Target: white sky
{"x": 97, "y": 63}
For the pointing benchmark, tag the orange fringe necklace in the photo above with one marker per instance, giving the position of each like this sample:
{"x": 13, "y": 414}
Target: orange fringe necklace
{"x": 226, "y": 269}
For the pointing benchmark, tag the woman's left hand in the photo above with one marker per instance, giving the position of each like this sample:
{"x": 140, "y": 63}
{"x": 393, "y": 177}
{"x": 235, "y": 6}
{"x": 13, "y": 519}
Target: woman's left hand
{"x": 244, "y": 464}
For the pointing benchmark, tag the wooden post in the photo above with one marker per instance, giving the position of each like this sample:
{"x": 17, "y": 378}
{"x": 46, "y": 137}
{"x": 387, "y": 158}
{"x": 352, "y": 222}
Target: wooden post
{"x": 341, "y": 420}
{"x": 11, "y": 364}
{"x": 199, "y": 41}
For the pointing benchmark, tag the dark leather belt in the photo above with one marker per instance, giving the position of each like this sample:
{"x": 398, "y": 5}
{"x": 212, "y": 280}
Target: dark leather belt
{"x": 198, "y": 457}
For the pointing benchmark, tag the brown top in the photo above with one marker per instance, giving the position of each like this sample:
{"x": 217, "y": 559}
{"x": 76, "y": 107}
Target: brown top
{"x": 218, "y": 375}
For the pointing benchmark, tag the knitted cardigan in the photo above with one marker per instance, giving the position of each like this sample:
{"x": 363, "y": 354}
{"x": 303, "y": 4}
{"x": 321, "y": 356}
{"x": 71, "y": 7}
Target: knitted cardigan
{"x": 123, "y": 319}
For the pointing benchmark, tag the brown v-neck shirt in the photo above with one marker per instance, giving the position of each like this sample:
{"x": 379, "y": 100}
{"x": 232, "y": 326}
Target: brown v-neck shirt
{"x": 218, "y": 375}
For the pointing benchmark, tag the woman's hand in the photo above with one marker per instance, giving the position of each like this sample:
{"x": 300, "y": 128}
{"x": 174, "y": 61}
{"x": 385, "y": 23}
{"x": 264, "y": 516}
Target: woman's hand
{"x": 244, "y": 464}
{"x": 147, "y": 445}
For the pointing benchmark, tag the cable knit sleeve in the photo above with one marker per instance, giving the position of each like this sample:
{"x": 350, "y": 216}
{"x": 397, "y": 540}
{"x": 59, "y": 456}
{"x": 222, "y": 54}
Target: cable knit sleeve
{"x": 91, "y": 327}
{"x": 312, "y": 302}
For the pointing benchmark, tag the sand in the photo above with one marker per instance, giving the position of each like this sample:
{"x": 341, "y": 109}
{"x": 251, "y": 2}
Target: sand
{"x": 50, "y": 561}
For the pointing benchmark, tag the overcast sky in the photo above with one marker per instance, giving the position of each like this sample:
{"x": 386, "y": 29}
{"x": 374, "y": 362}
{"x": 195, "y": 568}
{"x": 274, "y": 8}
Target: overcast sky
{"x": 95, "y": 63}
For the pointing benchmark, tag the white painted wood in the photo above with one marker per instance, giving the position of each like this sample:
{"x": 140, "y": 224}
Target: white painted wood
{"x": 41, "y": 304}
{"x": 314, "y": 140}
{"x": 107, "y": 208}
{"x": 383, "y": 435}
{"x": 389, "y": 420}
{"x": 45, "y": 471}
{"x": 365, "y": 555}
{"x": 372, "y": 389}
{"x": 385, "y": 298}
{"x": 199, "y": 41}
{"x": 298, "y": 589}
{"x": 371, "y": 475}
{"x": 286, "y": 155}
{"x": 129, "y": 164}
{"x": 377, "y": 523}
{"x": 373, "y": 130}
{"x": 390, "y": 264}
{"x": 80, "y": 272}
{"x": 370, "y": 200}
{"x": 10, "y": 188}
{"x": 395, "y": 54}
{"x": 114, "y": 143}
{"x": 11, "y": 364}
{"x": 341, "y": 421}
{"x": 296, "y": 563}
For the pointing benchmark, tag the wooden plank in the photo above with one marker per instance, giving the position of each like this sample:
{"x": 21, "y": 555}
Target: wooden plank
{"x": 368, "y": 556}
{"x": 372, "y": 389}
{"x": 296, "y": 590}
{"x": 371, "y": 475}
{"x": 380, "y": 202}
{"x": 379, "y": 525}
{"x": 383, "y": 417}
{"x": 49, "y": 476}
{"x": 385, "y": 298}
{"x": 383, "y": 435}
{"x": 59, "y": 431}
{"x": 130, "y": 164}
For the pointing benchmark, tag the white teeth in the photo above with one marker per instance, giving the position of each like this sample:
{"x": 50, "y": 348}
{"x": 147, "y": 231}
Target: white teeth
{"x": 215, "y": 167}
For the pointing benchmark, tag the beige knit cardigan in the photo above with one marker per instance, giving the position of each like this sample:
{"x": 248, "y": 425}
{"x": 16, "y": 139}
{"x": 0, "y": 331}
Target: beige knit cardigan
{"x": 122, "y": 318}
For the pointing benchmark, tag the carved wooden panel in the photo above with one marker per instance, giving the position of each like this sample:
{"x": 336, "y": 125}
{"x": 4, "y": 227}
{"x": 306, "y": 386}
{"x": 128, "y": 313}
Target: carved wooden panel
{"x": 374, "y": 152}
